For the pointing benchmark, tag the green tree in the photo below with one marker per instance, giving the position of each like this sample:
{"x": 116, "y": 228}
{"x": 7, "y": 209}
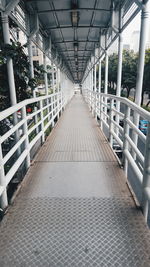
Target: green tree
{"x": 129, "y": 70}
{"x": 146, "y": 78}
{"x": 112, "y": 70}
{"x": 23, "y": 83}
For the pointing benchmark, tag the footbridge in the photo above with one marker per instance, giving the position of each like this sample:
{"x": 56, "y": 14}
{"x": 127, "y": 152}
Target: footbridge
{"x": 78, "y": 157}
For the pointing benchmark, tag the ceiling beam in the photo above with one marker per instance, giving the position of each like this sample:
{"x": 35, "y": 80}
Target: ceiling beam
{"x": 73, "y": 10}
{"x": 72, "y": 50}
{"x": 79, "y": 41}
{"x": 78, "y": 27}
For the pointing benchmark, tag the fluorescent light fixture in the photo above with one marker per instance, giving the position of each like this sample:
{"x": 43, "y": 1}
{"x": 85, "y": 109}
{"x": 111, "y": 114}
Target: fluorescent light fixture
{"x": 75, "y": 47}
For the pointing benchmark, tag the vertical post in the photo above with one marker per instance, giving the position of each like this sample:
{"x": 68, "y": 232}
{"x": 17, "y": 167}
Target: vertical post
{"x": 101, "y": 112}
{"x": 99, "y": 84}
{"x": 111, "y": 122}
{"x": 46, "y": 82}
{"x": 10, "y": 69}
{"x": 95, "y": 89}
{"x": 99, "y": 76}
{"x": 45, "y": 75}
{"x": 42, "y": 121}
{"x": 92, "y": 89}
{"x": 25, "y": 131}
{"x": 95, "y": 78}
{"x": 53, "y": 110}
{"x": 146, "y": 173}
{"x": 57, "y": 80}
{"x": 119, "y": 71}
{"x": 58, "y": 96}
{"x": 31, "y": 68}
{"x": 106, "y": 73}
{"x": 3, "y": 198}
{"x": 30, "y": 55}
{"x": 142, "y": 46}
{"x": 90, "y": 100}
{"x": 53, "y": 78}
{"x": 140, "y": 69}
{"x": 106, "y": 82}
{"x": 125, "y": 141}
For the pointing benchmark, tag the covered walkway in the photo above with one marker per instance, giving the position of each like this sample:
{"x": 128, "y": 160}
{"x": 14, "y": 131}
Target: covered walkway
{"x": 74, "y": 208}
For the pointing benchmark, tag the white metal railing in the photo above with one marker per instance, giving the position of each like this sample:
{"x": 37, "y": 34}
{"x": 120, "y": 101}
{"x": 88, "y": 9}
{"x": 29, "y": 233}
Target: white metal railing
{"x": 30, "y": 128}
{"x": 104, "y": 107}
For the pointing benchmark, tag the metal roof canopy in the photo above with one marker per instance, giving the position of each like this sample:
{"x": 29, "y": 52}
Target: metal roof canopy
{"x": 75, "y": 27}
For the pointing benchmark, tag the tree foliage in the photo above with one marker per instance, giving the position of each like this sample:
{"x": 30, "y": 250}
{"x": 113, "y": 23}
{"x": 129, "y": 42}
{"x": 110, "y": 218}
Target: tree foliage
{"x": 129, "y": 71}
{"x": 23, "y": 83}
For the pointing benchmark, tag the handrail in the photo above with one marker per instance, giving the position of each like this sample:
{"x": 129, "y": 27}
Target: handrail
{"x": 49, "y": 108}
{"x": 7, "y": 112}
{"x": 144, "y": 113}
{"x": 109, "y": 117}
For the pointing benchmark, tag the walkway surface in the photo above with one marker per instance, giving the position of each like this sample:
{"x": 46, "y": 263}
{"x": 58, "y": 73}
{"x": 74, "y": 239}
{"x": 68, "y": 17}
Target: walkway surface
{"x": 74, "y": 208}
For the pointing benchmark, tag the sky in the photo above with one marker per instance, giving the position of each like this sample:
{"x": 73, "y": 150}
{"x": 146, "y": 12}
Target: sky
{"x": 133, "y": 26}
{"x": 128, "y": 34}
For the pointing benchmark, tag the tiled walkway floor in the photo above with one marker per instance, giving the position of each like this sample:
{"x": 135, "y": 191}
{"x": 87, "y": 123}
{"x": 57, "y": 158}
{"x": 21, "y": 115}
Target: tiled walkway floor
{"x": 75, "y": 208}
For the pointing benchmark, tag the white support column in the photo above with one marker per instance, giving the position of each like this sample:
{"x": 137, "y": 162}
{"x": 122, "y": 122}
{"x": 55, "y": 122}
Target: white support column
{"x": 106, "y": 82}
{"x": 57, "y": 79}
{"x": 10, "y": 70}
{"x": 125, "y": 141}
{"x": 119, "y": 71}
{"x": 99, "y": 76}
{"x": 106, "y": 73}
{"x": 143, "y": 37}
{"x": 45, "y": 75}
{"x": 146, "y": 174}
{"x": 99, "y": 86}
{"x": 140, "y": 69}
{"x": 53, "y": 83}
{"x": 31, "y": 33}
{"x": 92, "y": 79}
{"x": 95, "y": 78}
{"x": 110, "y": 122}
{"x": 30, "y": 55}
{"x": 3, "y": 198}
{"x": 92, "y": 90}
{"x": 95, "y": 89}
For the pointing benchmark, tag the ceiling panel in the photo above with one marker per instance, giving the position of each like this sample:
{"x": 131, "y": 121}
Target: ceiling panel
{"x": 77, "y": 25}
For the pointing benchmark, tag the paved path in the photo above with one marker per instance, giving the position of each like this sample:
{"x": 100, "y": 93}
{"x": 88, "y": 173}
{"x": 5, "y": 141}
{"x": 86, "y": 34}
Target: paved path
{"x": 74, "y": 208}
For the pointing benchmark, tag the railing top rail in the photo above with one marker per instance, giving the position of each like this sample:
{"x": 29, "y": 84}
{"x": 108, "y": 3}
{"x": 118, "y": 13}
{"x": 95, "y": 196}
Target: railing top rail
{"x": 145, "y": 114}
{"x": 7, "y": 112}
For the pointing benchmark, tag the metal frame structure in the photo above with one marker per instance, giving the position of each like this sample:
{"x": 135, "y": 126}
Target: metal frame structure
{"x": 106, "y": 115}
{"x": 48, "y": 108}
{"x": 76, "y": 35}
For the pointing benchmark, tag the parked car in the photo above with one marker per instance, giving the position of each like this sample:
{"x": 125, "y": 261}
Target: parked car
{"x": 143, "y": 126}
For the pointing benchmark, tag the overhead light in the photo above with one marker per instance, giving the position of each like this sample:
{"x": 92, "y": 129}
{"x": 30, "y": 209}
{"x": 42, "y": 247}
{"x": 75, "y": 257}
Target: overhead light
{"x": 75, "y": 47}
{"x": 74, "y": 14}
{"x": 74, "y": 18}
{"x": 76, "y": 59}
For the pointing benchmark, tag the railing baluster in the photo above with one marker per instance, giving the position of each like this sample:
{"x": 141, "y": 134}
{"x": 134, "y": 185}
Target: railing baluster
{"x": 25, "y": 131}
{"x": 146, "y": 174}
{"x": 125, "y": 141}
{"x": 42, "y": 121}
{"x": 3, "y": 197}
{"x": 101, "y": 112}
{"x": 111, "y": 122}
